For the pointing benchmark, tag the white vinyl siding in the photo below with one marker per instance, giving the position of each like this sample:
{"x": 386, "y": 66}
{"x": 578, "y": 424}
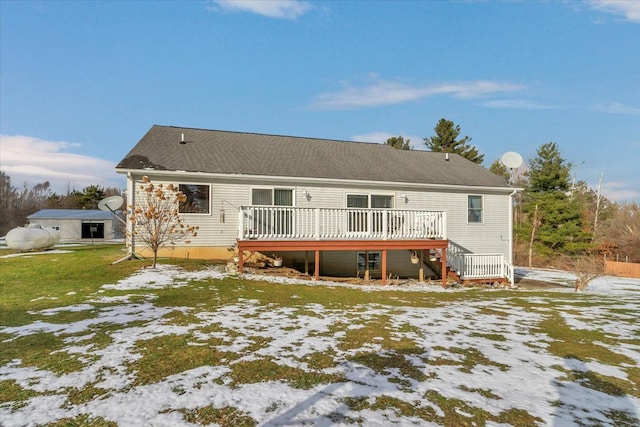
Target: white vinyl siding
{"x": 220, "y": 228}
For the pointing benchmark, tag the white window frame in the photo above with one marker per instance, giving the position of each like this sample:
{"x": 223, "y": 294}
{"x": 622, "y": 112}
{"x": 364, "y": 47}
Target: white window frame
{"x": 210, "y": 197}
{"x": 272, "y": 189}
{"x": 392, "y": 195}
{"x": 469, "y": 209}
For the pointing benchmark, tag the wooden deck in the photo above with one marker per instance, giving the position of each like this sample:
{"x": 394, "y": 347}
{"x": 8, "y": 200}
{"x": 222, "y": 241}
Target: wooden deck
{"x": 318, "y": 246}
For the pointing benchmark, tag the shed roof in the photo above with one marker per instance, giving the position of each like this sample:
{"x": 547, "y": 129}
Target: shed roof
{"x": 83, "y": 214}
{"x": 241, "y": 153}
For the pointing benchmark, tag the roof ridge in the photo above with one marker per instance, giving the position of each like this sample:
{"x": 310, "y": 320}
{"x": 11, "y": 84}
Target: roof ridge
{"x": 276, "y": 135}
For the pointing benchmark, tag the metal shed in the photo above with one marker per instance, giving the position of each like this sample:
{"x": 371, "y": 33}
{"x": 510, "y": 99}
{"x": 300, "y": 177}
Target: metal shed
{"x": 79, "y": 224}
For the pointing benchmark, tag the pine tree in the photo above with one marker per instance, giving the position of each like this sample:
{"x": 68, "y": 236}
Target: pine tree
{"x": 560, "y": 228}
{"x": 446, "y": 141}
{"x": 399, "y": 143}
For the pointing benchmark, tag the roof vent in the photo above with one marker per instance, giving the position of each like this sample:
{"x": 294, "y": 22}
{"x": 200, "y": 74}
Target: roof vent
{"x": 446, "y": 156}
{"x": 182, "y": 141}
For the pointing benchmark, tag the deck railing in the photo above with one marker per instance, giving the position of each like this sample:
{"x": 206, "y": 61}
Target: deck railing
{"x": 285, "y": 222}
{"x": 478, "y": 266}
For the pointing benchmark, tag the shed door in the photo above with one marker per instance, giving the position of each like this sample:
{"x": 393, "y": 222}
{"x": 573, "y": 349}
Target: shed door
{"x": 92, "y": 230}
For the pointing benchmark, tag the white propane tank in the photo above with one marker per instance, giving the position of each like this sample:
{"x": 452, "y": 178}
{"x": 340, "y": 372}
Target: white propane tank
{"x": 32, "y": 237}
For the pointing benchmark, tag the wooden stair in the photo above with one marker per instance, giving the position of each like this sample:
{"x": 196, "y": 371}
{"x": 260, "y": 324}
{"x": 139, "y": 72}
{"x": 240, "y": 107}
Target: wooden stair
{"x": 436, "y": 264}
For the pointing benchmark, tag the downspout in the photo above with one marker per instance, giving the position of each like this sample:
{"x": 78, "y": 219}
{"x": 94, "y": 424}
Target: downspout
{"x": 511, "y": 273}
{"x": 131, "y": 195}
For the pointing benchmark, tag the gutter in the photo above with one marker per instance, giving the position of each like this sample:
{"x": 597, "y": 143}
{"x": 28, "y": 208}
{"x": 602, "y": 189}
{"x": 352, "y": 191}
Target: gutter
{"x": 306, "y": 180}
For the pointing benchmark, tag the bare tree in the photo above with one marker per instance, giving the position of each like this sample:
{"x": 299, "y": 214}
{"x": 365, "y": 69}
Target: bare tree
{"x": 156, "y": 217}
{"x": 586, "y": 268}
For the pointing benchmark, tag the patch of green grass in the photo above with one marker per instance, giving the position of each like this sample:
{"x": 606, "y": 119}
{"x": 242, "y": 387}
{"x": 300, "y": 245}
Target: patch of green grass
{"x": 471, "y": 357}
{"x": 10, "y": 391}
{"x": 52, "y": 280}
{"x": 481, "y": 391}
{"x": 82, "y": 421}
{"x": 171, "y": 354}
{"x": 261, "y": 370}
{"x": 386, "y": 363}
{"x": 580, "y": 344}
{"x": 86, "y": 394}
{"x": 406, "y": 409}
{"x": 225, "y": 417}
{"x": 42, "y": 351}
{"x": 460, "y": 413}
{"x": 492, "y": 337}
{"x": 321, "y": 360}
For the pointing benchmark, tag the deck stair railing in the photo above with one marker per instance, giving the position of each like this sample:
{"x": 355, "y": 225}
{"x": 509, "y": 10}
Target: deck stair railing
{"x": 286, "y": 222}
{"x": 471, "y": 266}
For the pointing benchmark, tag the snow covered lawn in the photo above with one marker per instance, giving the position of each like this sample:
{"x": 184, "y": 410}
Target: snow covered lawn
{"x": 170, "y": 347}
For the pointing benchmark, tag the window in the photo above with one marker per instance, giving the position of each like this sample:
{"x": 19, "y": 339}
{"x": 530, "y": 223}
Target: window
{"x": 272, "y": 221}
{"x": 359, "y": 220}
{"x": 272, "y": 197}
{"x": 475, "y": 209}
{"x": 197, "y": 198}
{"x": 374, "y": 261}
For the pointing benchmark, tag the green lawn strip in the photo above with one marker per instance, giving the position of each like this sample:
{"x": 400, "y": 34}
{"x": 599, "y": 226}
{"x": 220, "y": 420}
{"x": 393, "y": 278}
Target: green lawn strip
{"x": 41, "y": 351}
{"x": 585, "y": 345}
{"x": 10, "y": 391}
{"x": 456, "y": 412}
{"x": 38, "y": 282}
{"x": 171, "y": 354}
{"x": 468, "y": 358}
{"x": 224, "y": 417}
{"x": 82, "y": 421}
{"x": 265, "y": 369}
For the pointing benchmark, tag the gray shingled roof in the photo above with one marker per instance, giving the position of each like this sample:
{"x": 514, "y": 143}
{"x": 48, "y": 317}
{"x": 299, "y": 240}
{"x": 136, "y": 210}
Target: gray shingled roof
{"x": 85, "y": 214}
{"x": 222, "y": 152}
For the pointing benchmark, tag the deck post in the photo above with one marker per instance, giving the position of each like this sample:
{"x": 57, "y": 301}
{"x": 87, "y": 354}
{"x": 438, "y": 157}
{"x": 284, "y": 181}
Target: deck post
{"x": 240, "y": 261}
{"x": 316, "y": 273}
{"x": 306, "y": 262}
{"x": 421, "y": 270}
{"x": 444, "y": 267}
{"x": 366, "y": 266}
{"x": 384, "y": 267}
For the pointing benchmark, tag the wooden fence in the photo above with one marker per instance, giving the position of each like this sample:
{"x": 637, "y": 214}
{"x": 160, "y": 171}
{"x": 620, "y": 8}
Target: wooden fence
{"x": 623, "y": 269}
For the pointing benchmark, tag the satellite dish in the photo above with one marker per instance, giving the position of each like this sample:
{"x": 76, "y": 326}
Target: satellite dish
{"x": 111, "y": 203}
{"x": 511, "y": 159}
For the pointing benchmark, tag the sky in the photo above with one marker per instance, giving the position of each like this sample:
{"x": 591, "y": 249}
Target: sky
{"x": 527, "y": 377}
{"x": 82, "y": 82}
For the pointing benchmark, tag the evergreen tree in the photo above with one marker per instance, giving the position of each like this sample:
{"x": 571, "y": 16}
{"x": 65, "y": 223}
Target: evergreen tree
{"x": 446, "y": 141}
{"x": 560, "y": 227}
{"x": 498, "y": 168}
{"x": 399, "y": 143}
{"x": 549, "y": 171}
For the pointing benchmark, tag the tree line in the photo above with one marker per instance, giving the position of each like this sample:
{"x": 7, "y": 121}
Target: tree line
{"x": 555, "y": 217}
{"x": 18, "y": 203}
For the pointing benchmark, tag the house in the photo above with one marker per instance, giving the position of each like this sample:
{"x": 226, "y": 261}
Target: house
{"x": 78, "y": 224}
{"x": 336, "y": 208}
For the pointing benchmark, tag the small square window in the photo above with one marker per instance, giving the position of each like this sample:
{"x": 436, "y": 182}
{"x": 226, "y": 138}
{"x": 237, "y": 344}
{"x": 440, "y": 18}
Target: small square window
{"x": 197, "y": 198}
{"x": 374, "y": 261}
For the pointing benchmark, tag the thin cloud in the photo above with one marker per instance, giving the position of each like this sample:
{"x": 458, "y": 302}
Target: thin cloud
{"x": 517, "y": 104}
{"x": 618, "y": 108}
{"x": 32, "y": 161}
{"x": 620, "y": 191}
{"x": 629, "y": 9}
{"x": 281, "y": 9}
{"x": 384, "y": 92}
